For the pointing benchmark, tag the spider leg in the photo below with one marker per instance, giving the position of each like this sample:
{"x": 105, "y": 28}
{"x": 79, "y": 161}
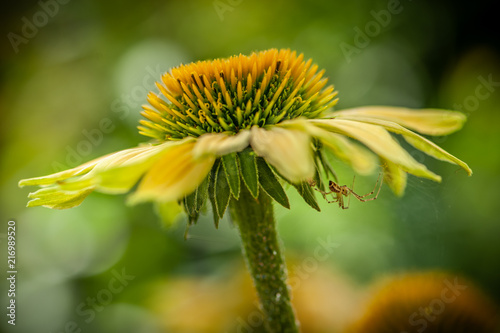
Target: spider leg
{"x": 323, "y": 193}
{"x": 337, "y": 198}
{"x": 335, "y": 194}
{"x": 361, "y": 197}
{"x": 340, "y": 200}
{"x": 339, "y": 192}
{"x": 347, "y": 194}
{"x": 341, "y": 203}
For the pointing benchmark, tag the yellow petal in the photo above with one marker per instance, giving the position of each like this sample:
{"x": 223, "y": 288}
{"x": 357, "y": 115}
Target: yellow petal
{"x": 419, "y": 142}
{"x": 380, "y": 141}
{"x": 359, "y": 158}
{"x": 120, "y": 179}
{"x": 288, "y": 150}
{"x": 85, "y": 168}
{"x": 173, "y": 176}
{"x": 113, "y": 173}
{"x": 169, "y": 212}
{"x": 426, "y": 121}
{"x": 118, "y": 172}
{"x": 55, "y": 177}
{"x": 218, "y": 144}
{"x": 55, "y": 198}
{"x": 394, "y": 177}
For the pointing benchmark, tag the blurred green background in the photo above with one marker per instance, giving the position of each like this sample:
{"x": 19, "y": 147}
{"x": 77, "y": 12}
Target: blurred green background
{"x": 73, "y": 77}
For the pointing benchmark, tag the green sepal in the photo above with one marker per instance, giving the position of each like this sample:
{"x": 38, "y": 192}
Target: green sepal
{"x": 190, "y": 207}
{"x": 306, "y": 190}
{"x": 194, "y": 201}
{"x": 222, "y": 191}
{"x": 211, "y": 192}
{"x": 327, "y": 167}
{"x": 307, "y": 193}
{"x": 232, "y": 171}
{"x": 249, "y": 171}
{"x": 201, "y": 193}
{"x": 190, "y": 203}
{"x": 270, "y": 183}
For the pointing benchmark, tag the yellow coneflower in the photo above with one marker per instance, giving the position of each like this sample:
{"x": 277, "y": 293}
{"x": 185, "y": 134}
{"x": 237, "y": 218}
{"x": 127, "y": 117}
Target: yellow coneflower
{"x": 431, "y": 302}
{"x": 272, "y": 102}
{"x": 228, "y": 129}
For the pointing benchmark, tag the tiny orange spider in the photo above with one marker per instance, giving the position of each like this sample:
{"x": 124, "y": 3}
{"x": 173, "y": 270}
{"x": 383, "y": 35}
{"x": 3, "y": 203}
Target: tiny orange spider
{"x": 341, "y": 191}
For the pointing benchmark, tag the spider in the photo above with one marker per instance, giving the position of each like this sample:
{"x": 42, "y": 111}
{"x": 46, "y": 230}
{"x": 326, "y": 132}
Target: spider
{"x": 341, "y": 191}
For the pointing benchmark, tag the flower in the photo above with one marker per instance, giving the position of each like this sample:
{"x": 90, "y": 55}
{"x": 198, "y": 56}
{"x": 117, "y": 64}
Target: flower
{"x": 429, "y": 301}
{"x": 251, "y": 118}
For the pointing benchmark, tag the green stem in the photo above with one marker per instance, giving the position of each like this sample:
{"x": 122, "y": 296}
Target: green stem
{"x": 255, "y": 220}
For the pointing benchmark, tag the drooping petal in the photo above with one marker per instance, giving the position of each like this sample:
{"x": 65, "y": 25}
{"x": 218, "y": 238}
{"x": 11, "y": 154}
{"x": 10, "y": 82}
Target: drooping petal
{"x": 394, "y": 177}
{"x": 426, "y": 121}
{"x": 419, "y": 142}
{"x": 380, "y": 141}
{"x": 218, "y": 144}
{"x": 121, "y": 179}
{"x": 169, "y": 212}
{"x": 55, "y": 177}
{"x": 288, "y": 150}
{"x": 359, "y": 158}
{"x": 121, "y": 171}
{"x": 53, "y": 197}
{"x": 103, "y": 161}
{"x": 113, "y": 173}
{"x": 176, "y": 174}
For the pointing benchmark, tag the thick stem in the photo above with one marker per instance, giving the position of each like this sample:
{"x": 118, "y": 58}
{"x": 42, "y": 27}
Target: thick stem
{"x": 255, "y": 220}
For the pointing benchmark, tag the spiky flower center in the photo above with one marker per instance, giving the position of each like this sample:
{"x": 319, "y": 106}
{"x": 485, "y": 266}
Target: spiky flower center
{"x": 228, "y": 95}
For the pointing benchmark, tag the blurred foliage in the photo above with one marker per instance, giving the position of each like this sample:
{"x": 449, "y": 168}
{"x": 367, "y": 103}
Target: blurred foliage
{"x": 73, "y": 92}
